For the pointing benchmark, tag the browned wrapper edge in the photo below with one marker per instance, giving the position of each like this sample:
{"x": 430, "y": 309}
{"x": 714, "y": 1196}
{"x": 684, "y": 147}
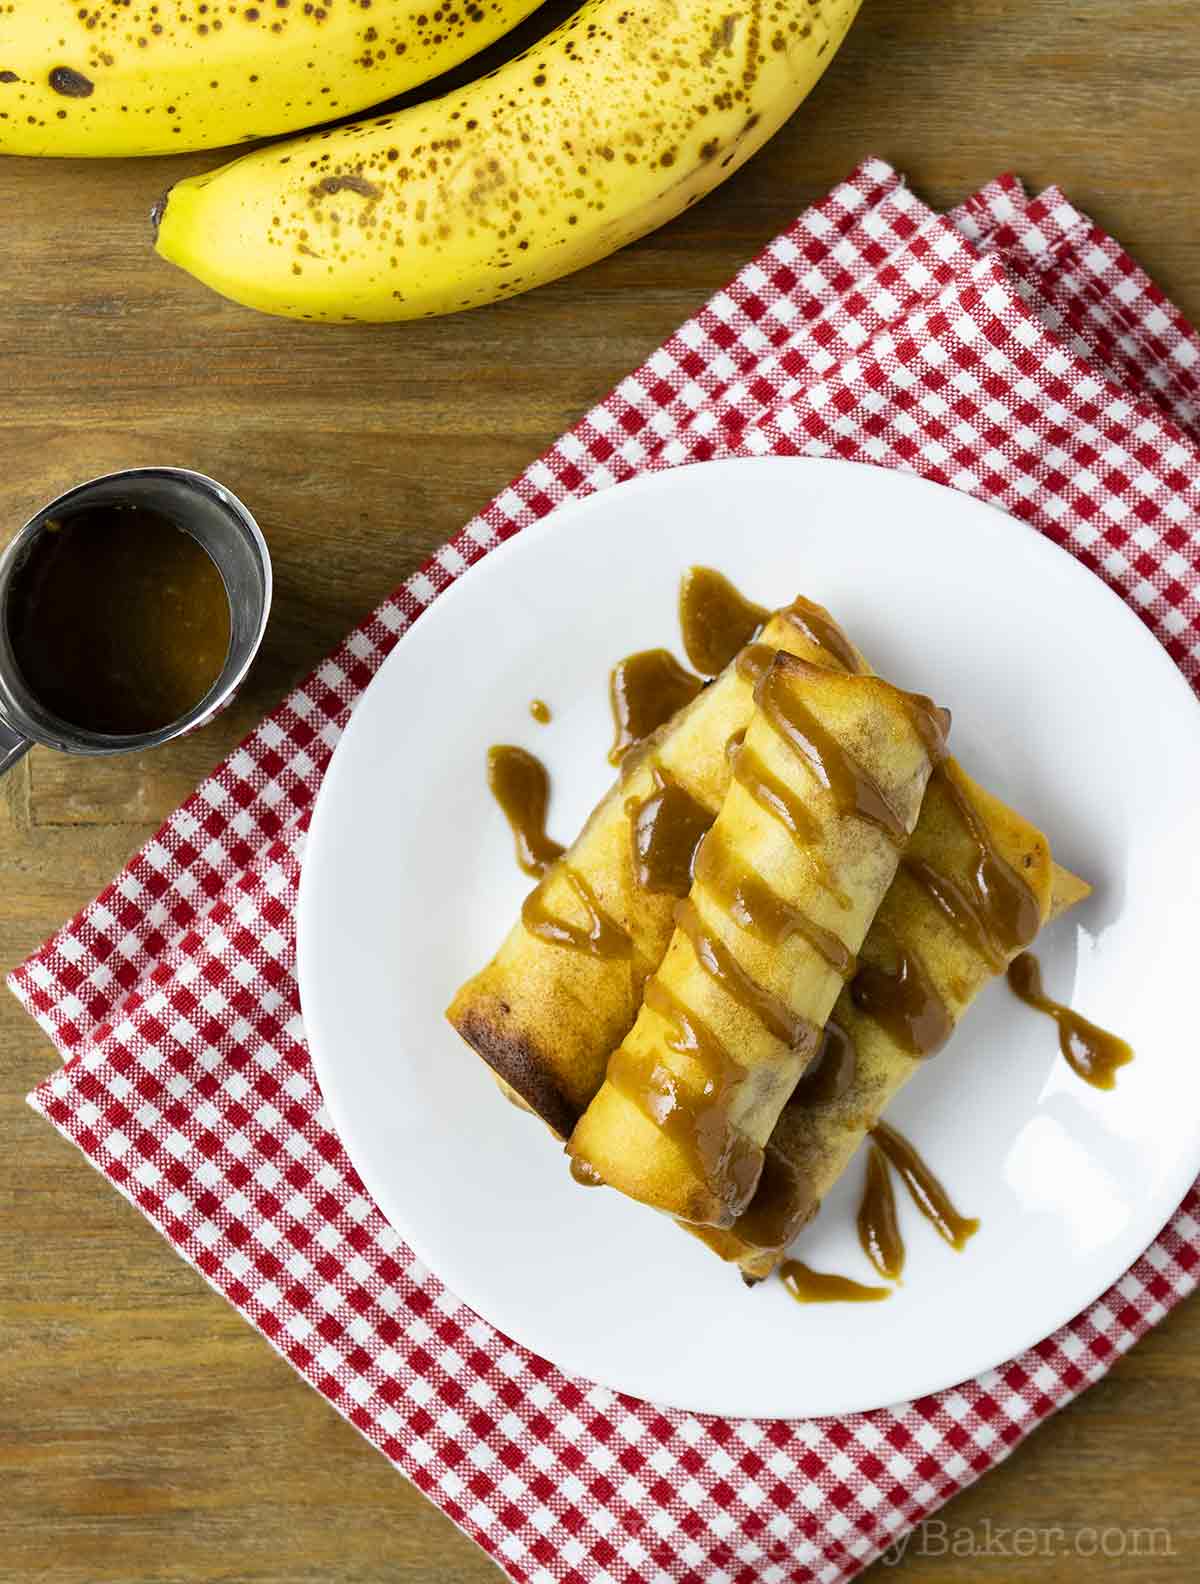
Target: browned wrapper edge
{"x": 517, "y": 1063}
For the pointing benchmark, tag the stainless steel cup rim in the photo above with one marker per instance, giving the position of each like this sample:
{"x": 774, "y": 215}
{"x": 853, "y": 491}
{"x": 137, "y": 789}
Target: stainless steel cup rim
{"x": 243, "y": 561}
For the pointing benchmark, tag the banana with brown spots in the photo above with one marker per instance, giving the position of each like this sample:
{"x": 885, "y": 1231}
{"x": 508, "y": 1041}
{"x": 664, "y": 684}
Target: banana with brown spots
{"x": 108, "y": 77}
{"x": 618, "y": 120}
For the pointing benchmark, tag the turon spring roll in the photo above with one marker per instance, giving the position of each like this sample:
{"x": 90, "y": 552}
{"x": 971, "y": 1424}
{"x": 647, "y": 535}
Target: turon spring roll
{"x": 826, "y": 790}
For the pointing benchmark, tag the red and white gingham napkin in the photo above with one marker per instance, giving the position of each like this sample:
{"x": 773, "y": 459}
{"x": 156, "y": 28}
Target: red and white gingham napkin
{"x": 1011, "y": 350}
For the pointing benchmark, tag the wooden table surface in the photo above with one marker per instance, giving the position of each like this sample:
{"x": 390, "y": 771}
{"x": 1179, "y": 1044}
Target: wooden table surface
{"x": 149, "y": 1434}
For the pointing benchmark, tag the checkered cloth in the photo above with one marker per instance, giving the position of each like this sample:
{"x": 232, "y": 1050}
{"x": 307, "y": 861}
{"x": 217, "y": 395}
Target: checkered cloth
{"x": 1010, "y": 350}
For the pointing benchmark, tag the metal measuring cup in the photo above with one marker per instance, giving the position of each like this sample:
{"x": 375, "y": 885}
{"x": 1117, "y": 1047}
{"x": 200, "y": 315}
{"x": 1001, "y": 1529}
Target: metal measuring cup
{"x": 218, "y": 521}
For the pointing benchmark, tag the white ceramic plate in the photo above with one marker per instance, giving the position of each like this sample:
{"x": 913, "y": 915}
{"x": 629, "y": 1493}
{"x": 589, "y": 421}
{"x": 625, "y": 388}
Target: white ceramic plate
{"x": 1063, "y": 704}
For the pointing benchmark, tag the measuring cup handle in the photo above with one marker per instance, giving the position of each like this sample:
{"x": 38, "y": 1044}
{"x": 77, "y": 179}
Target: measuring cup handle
{"x": 12, "y": 746}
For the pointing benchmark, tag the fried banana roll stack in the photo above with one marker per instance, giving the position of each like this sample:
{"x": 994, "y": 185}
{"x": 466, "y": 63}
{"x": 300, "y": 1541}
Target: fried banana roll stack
{"x": 974, "y": 886}
{"x": 565, "y": 986}
{"x": 826, "y": 790}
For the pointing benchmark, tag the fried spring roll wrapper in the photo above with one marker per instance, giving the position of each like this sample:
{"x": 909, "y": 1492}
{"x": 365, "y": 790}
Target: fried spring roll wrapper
{"x": 1065, "y": 890}
{"x": 926, "y": 960}
{"x": 550, "y": 1007}
{"x": 764, "y": 941}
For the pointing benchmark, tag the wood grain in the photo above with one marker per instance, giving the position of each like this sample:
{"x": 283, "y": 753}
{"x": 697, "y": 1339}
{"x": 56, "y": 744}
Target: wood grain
{"x": 148, "y": 1434}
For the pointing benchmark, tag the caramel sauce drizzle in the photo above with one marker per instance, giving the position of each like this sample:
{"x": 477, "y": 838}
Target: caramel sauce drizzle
{"x": 928, "y": 1193}
{"x": 961, "y": 904}
{"x": 931, "y": 724}
{"x": 521, "y": 787}
{"x": 690, "y": 1035}
{"x": 772, "y": 794}
{"x": 832, "y": 1070}
{"x": 819, "y": 627}
{"x": 853, "y": 789}
{"x": 809, "y": 1286}
{"x": 665, "y": 828}
{"x": 715, "y": 619}
{"x": 645, "y": 690}
{"x": 719, "y": 963}
{"x": 996, "y": 912}
{"x": 603, "y": 936}
{"x": 878, "y": 1228}
{"x": 540, "y": 711}
{"x": 762, "y": 912}
{"x": 903, "y": 1001}
{"x": 1092, "y": 1052}
{"x": 784, "y": 1201}
{"x": 726, "y": 1160}
{"x": 585, "y": 1174}
{"x": 754, "y": 661}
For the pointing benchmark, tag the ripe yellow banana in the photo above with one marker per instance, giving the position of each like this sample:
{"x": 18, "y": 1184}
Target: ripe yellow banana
{"x": 619, "y": 119}
{"x": 156, "y": 76}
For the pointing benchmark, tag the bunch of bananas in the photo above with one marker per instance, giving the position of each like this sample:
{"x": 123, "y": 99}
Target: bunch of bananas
{"x": 619, "y": 119}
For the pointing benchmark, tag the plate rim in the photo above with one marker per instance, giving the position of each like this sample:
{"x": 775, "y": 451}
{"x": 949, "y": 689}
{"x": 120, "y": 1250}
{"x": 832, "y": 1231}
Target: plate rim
{"x": 565, "y": 517}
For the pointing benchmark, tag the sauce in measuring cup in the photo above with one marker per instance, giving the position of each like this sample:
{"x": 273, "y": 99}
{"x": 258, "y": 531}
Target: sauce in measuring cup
{"x": 122, "y": 620}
